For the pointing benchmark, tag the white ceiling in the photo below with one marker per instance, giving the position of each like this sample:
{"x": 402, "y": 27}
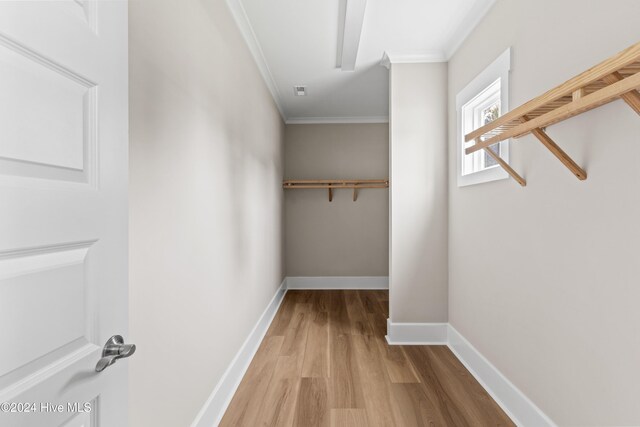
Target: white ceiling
{"x": 295, "y": 42}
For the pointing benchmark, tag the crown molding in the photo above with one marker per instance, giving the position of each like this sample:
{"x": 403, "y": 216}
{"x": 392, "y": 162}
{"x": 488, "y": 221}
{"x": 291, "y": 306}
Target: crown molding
{"x": 335, "y": 120}
{"x": 468, "y": 24}
{"x": 242, "y": 21}
{"x": 389, "y": 58}
{"x": 471, "y": 20}
{"x": 475, "y": 15}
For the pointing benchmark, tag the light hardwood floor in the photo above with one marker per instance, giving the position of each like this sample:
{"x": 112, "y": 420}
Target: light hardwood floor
{"x": 325, "y": 362}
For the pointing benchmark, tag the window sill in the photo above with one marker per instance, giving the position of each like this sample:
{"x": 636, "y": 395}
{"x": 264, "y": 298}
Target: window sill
{"x": 495, "y": 173}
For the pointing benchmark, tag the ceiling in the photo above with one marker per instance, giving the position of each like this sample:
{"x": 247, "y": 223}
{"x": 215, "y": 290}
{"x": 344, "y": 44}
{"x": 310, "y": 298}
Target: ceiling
{"x": 299, "y": 42}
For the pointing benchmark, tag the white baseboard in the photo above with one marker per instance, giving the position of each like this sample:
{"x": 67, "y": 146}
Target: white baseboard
{"x": 338, "y": 282}
{"x": 516, "y": 404}
{"x": 416, "y": 333}
{"x": 513, "y": 402}
{"x": 211, "y": 413}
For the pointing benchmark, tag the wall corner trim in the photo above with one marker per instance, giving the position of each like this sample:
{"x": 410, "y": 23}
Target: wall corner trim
{"x": 214, "y": 408}
{"x": 338, "y": 282}
{"x": 515, "y": 403}
{"x": 417, "y": 333}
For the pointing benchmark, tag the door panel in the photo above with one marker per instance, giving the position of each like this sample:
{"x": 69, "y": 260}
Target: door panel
{"x": 63, "y": 210}
{"x": 29, "y": 299}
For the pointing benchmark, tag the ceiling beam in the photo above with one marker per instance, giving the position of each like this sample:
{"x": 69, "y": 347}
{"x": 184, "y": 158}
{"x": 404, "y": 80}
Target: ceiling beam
{"x": 352, "y": 29}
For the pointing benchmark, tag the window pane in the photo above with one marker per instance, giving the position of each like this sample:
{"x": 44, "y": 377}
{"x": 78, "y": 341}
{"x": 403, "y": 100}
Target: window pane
{"x": 477, "y": 112}
{"x": 490, "y": 161}
{"x": 489, "y": 114}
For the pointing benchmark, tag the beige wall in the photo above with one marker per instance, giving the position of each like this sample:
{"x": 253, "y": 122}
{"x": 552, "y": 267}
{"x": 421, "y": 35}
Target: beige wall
{"x": 544, "y": 279}
{"x": 418, "y": 256}
{"x": 341, "y": 238}
{"x": 206, "y": 203}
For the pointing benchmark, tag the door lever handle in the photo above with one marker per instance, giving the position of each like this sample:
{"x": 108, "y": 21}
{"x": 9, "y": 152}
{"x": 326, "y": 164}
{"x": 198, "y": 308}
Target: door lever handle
{"x": 113, "y": 350}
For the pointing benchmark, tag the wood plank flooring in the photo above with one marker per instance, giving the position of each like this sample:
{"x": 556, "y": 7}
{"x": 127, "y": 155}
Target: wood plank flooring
{"x": 325, "y": 362}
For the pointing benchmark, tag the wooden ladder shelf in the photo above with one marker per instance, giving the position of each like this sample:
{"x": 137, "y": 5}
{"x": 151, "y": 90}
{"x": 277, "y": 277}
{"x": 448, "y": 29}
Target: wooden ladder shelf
{"x": 616, "y": 78}
{"x": 331, "y": 184}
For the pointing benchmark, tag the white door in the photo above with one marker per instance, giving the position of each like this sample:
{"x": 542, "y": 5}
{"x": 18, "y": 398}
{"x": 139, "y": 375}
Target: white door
{"x": 63, "y": 211}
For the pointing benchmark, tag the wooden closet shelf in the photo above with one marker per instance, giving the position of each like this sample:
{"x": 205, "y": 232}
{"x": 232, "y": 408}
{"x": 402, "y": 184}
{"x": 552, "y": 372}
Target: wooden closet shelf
{"x": 331, "y": 184}
{"x": 615, "y": 78}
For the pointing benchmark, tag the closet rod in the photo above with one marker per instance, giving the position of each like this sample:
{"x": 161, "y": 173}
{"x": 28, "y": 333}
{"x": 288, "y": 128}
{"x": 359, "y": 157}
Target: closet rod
{"x": 331, "y": 184}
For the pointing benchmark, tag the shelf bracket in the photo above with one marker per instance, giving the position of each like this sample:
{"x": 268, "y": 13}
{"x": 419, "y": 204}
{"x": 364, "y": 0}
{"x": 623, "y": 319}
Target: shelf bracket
{"x": 631, "y": 98}
{"x": 557, "y": 151}
{"x": 504, "y": 165}
{"x": 355, "y": 193}
{"x": 330, "y": 194}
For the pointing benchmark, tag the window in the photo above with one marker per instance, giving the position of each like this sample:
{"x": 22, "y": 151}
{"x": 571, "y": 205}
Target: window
{"x": 480, "y": 103}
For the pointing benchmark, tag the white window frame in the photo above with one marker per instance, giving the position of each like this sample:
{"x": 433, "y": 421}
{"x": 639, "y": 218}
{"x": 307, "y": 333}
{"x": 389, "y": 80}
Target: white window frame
{"x": 498, "y": 70}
